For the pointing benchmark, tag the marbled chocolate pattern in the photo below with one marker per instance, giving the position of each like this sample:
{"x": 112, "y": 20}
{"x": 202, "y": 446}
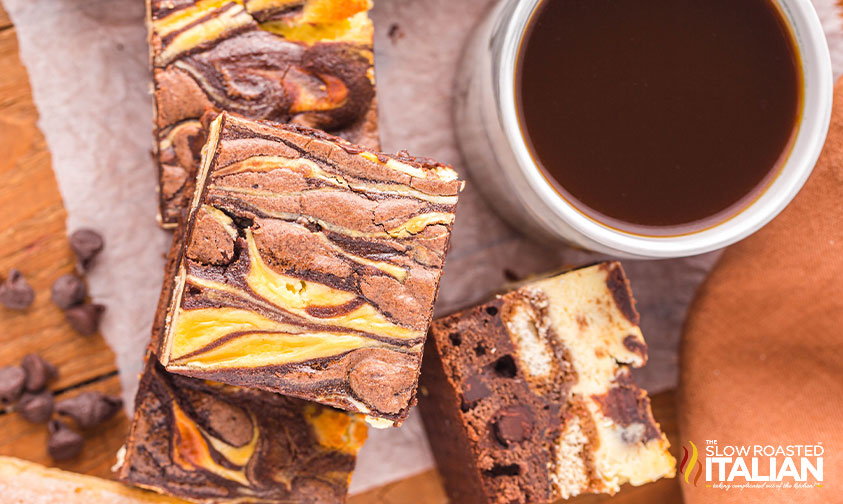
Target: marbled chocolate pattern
{"x": 311, "y": 267}
{"x": 210, "y": 442}
{"x": 306, "y": 62}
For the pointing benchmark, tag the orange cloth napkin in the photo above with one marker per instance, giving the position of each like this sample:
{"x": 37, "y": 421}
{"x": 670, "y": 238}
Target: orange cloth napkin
{"x": 762, "y": 355}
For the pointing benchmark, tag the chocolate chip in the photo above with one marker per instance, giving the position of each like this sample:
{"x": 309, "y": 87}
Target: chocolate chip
{"x": 15, "y": 292}
{"x": 36, "y": 408}
{"x": 455, "y": 338}
{"x": 503, "y": 470}
{"x": 64, "y": 442}
{"x": 505, "y": 367}
{"x": 90, "y": 409}
{"x": 474, "y": 388}
{"x": 491, "y": 310}
{"x": 12, "y": 380}
{"x": 86, "y": 244}
{"x": 38, "y": 372}
{"x": 69, "y": 291}
{"x": 85, "y": 319}
{"x": 513, "y": 424}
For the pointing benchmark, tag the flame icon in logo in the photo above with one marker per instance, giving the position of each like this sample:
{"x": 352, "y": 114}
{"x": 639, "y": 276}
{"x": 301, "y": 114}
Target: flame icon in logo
{"x": 687, "y": 466}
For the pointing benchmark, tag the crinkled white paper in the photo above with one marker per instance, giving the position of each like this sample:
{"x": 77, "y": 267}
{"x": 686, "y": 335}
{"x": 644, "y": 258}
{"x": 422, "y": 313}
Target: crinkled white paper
{"x": 87, "y": 63}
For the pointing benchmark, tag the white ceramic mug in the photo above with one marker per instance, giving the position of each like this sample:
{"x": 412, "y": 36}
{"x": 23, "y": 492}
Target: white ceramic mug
{"x": 501, "y": 165}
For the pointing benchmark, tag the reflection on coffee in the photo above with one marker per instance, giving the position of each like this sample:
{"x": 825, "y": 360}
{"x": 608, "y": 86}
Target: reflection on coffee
{"x": 659, "y": 116}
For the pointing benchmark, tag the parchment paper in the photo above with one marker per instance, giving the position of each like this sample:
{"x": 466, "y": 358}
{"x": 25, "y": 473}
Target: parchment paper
{"x": 87, "y": 63}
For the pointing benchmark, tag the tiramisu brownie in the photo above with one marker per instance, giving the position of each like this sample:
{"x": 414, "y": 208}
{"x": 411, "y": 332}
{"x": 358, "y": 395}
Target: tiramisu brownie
{"x": 307, "y": 62}
{"x": 528, "y": 398}
{"x": 23, "y": 482}
{"x": 208, "y": 442}
{"x": 310, "y": 267}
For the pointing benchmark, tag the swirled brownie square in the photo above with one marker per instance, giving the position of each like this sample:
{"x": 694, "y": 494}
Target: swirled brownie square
{"x": 309, "y": 267}
{"x": 307, "y": 62}
{"x": 529, "y": 398}
{"x": 207, "y": 442}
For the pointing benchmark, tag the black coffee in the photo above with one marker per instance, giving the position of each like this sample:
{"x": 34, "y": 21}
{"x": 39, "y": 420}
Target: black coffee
{"x": 659, "y": 116}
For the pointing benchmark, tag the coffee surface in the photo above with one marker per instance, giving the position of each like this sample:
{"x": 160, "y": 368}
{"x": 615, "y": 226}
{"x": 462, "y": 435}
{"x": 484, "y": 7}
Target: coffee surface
{"x": 659, "y": 116}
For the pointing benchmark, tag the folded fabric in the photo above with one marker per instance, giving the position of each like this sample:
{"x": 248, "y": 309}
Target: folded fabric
{"x": 761, "y": 357}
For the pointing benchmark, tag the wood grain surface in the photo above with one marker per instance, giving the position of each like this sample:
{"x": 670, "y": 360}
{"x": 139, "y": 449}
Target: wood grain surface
{"x": 33, "y": 238}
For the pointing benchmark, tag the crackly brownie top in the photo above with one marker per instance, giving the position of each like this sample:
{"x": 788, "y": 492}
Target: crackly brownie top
{"x": 210, "y": 442}
{"x": 313, "y": 260}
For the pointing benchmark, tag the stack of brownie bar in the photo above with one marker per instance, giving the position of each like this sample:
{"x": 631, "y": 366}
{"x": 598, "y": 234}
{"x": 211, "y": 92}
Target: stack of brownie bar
{"x": 300, "y": 288}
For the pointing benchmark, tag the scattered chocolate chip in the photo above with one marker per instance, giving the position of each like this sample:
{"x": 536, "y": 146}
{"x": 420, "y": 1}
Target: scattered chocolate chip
{"x": 12, "y": 380}
{"x": 64, "y": 442}
{"x": 491, "y": 310}
{"x": 69, "y": 291}
{"x": 86, "y": 244}
{"x": 90, "y": 409}
{"x": 38, "y": 372}
{"x": 474, "y": 388}
{"x": 36, "y": 408}
{"x": 15, "y": 292}
{"x": 85, "y": 319}
{"x": 513, "y": 425}
{"x": 505, "y": 367}
{"x": 479, "y": 350}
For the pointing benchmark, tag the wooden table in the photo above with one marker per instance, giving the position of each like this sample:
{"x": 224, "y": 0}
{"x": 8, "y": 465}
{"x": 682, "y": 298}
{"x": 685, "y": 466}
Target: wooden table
{"x": 33, "y": 239}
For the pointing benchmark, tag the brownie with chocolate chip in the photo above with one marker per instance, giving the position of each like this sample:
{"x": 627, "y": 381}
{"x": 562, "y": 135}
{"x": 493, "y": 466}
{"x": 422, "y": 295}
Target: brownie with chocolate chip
{"x": 528, "y": 398}
{"x": 306, "y": 62}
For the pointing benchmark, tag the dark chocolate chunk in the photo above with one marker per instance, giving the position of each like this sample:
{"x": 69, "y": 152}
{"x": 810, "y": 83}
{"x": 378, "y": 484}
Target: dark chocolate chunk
{"x": 86, "y": 244}
{"x": 69, "y": 291}
{"x": 90, "y": 409}
{"x": 627, "y": 404}
{"x": 85, "y": 319}
{"x": 506, "y": 367}
{"x": 36, "y": 408}
{"x": 38, "y": 372}
{"x": 513, "y": 424}
{"x": 15, "y": 292}
{"x": 12, "y": 380}
{"x": 474, "y": 389}
{"x": 64, "y": 443}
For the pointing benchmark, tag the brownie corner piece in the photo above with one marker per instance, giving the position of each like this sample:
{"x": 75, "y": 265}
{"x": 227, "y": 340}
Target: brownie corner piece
{"x": 308, "y": 62}
{"x": 208, "y": 442}
{"x": 310, "y": 267}
{"x": 529, "y": 397}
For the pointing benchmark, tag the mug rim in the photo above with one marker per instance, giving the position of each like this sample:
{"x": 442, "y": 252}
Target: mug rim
{"x": 815, "y": 63}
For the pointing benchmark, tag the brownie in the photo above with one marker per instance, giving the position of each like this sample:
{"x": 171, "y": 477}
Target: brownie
{"x": 309, "y": 267}
{"x": 24, "y": 482}
{"x": 529, "y": 398}
{"x": 307, "y": 62}
{"x": 208, "y": 442}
